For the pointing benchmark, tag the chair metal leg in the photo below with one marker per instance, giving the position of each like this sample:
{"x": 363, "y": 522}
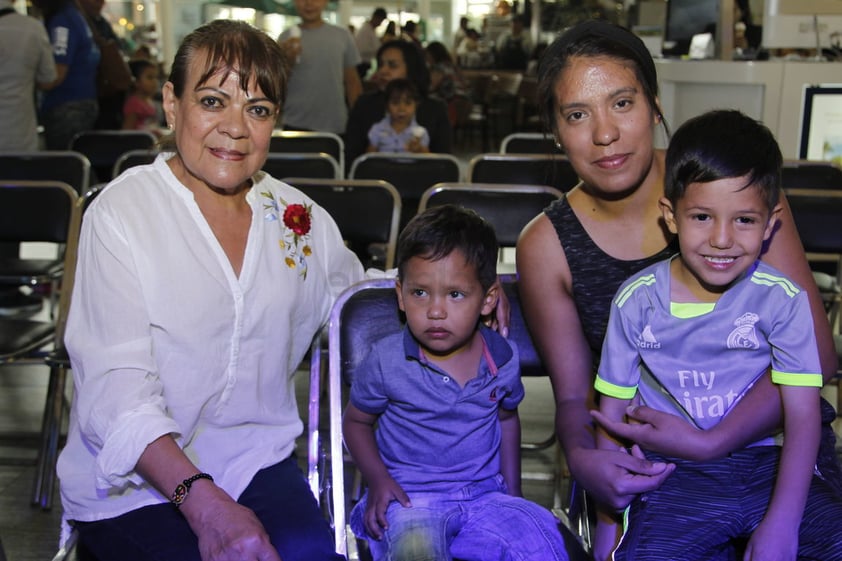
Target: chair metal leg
{"x": 45, "y": 476}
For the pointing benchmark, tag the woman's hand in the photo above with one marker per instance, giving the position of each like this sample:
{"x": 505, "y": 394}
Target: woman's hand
{"x": 660, "y": 432}
{"x": 227, "y": 531}
{"x": 614, "y": 478}
{"x": 380, "y": 495}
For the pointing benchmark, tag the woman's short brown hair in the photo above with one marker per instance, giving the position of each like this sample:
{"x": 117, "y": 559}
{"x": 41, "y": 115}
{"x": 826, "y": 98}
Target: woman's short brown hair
{"x": 233, "y": 44}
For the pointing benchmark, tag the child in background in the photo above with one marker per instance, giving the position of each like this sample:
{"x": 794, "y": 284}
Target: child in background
{"x": 398, "y": 131}
{"x": 443, "y": 465}
{"x": 139, "y": 110}
{"x": 691, "y": 334}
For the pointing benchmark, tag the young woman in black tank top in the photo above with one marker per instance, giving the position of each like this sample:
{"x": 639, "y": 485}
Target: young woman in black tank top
{"x": 598, "y": 97}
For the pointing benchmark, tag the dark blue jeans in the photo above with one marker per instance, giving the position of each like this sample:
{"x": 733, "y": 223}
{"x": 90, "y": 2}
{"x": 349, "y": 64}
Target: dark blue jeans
{"x": 278, "y": 495}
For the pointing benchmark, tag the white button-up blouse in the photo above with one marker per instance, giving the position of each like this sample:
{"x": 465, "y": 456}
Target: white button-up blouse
{"x": 164, "y": 338}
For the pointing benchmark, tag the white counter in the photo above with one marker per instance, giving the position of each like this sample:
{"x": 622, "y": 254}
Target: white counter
{"x": 770, "y": 91}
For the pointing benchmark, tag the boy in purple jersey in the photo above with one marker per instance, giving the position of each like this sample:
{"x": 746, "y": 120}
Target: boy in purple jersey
{"x": 691, "y": 334}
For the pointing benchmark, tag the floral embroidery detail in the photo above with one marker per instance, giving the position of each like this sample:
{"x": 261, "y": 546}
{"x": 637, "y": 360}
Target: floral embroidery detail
{"x": 297, "y": 220}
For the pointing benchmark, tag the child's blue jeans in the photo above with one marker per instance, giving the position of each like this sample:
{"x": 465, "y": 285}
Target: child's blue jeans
{"x": 477, "y": 523}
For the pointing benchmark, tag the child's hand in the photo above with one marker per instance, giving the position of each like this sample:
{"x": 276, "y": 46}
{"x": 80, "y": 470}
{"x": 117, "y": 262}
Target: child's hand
{"x": 414, "y": 145}
{"x": 380, "y": 495}
{"x": 771, "y": 542}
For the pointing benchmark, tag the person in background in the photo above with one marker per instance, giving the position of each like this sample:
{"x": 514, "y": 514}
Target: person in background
{"x": 446, "y": 82}
{"x": 398, "y": 131}
{"x": 689, "y": 335}
{"x": 111, "y": 104}
{"x": 597, "y": 94}
{"x": 70, "y": 103}
{"x": 140, "y": 111}
{"x": 412, "y": 33}
{"x": 514, "y": 47}
{"x": 432, "y": 418}
{"x": 367, "y": 40}
{"x": 323, "y": 81}
{"x": 27, "y": 64}
{"x": 184, "y": 420}
{"x": 390, "y": 33}
{"x": 461, "y": 32}
{"x": 398, "y": 59}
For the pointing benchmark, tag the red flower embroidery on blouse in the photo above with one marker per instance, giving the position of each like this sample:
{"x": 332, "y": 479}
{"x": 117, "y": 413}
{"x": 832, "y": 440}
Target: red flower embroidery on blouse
{"x": 297, "y": 219}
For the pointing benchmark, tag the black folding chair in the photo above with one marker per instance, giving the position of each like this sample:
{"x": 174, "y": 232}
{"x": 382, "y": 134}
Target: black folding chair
{"x": 315, "y": 165}
{"x": 410, "y": 173}
{"x": 40, "y": 211}
{"x": 818, "y": 218}
{"x": 104, "y": 147}
{"x": 525, "y": 169}
{"x": 133, "y": 158}
{"x": 66, "y": 166}
{"x": 307, "y": 141}
{"x": 366, "y": 211}
{"x": 507, "y": 207}
{"x": 529, "y": 143}
{"x": 810, "y": 174}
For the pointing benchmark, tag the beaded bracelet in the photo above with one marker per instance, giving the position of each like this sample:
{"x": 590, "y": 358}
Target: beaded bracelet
{"x": 183, "y": 488}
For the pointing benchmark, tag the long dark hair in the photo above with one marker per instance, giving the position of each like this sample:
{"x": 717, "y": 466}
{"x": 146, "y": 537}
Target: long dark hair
{"x": 413, "y": 58}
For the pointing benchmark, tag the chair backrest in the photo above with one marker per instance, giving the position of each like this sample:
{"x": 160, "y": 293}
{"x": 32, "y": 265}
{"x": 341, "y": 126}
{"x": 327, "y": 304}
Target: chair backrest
{"x": 66, "y": 166}
{"x": 810, "y": 174}
{"x": 525, "y": 169}
{"x": 529, "y": 143}
{"x": 36, "y": 211}
{"x": 367, "y": 213}
{"x": 818, "y": 219}
{"x": 104, "y": 147}
{"x": 411, "y": 174}
{"x": 316, "y": 165}
{"x": 133, "y": 158}
{"x": 362, "y": 315}
{"x": 309, "y": 141}
{"x": 507, "y": 207}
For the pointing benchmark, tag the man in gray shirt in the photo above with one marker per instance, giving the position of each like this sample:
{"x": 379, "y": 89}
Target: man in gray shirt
{"x": 323, "y": 82}
{"x": 27, "y": 62}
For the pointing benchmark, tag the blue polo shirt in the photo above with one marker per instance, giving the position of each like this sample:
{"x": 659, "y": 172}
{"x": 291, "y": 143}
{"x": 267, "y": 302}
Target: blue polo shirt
{"x": 434, "y": 435}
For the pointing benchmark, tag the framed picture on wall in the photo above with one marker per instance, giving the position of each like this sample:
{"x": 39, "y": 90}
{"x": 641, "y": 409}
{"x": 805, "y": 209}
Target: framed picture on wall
{"x": 821, "y": 123}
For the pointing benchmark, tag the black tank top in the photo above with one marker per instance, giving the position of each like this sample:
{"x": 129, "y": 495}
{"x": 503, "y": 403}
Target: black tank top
{"x": 596, "y": 275}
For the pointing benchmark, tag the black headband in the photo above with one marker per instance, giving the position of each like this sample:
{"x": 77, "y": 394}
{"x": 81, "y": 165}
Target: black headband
{"x": 617, "y": 34}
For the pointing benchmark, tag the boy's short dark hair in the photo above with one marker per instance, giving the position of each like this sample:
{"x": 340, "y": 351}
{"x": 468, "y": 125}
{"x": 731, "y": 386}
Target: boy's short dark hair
{"x": 439, "y": 230}
{"x": 722, "y": 144}
{"x": 398, "y": 88}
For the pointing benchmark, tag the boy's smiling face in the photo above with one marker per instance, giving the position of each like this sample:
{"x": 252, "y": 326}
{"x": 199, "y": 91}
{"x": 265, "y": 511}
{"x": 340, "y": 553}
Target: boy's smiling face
{"x": 443, "y": 301}
{"x": 721, "y": 227}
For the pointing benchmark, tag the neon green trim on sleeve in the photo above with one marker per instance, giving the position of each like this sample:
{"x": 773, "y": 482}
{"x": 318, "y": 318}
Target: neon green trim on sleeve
{"x": 790, "y": 379}
{"x": 613, "y": 390}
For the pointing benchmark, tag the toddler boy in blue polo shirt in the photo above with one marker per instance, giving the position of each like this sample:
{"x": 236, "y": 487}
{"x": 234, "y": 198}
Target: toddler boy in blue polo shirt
{"x": 443, "y": 465}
